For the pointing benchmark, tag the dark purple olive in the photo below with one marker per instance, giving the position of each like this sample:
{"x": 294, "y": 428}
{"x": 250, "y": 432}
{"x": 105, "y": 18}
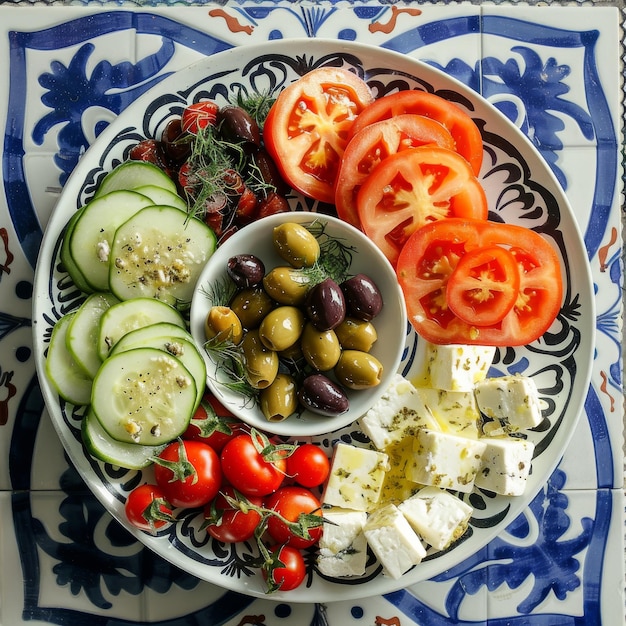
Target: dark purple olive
{"x": 321, "y": 395}
{"x": 245, "y": 270}
{"x": 325, "y": 305}
{"x": 363, "y": 298}
{"x": 176, "y": 143}
{"x": 238, "y": 126}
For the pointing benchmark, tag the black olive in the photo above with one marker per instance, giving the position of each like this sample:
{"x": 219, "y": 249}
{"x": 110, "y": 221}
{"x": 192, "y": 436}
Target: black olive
{"x": 321, "y": 395}
{"x": 238, "y": 126}
{"x": 245, "y": 270}
{"x": 176, "y": 143}
{"x": 326, "y": 305}
{"x": 268, "y": 171}
{"x": 363, "y": 298}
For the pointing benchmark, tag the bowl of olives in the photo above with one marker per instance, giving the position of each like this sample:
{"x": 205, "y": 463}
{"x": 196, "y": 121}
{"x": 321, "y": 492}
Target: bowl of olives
{"x": 301, "y": 322}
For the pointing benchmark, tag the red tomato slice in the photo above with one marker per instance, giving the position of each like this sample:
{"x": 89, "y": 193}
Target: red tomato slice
{"x": 466, "y": 134}
{"x": 374, "y": 143}
{"x": 484, "y": 286}
{"x": 414, "y": 187}
{"x": 199, "y": 115}
{"x": 306, "y": 130}
{"x": 430, "y": 257}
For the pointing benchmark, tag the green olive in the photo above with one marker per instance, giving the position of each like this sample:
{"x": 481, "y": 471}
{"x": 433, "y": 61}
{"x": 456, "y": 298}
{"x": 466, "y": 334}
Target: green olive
{"x": 355, "y": 334}
{"x": 261, "y": 364}
{"x": 251, "y": 306}
{"x": 292, "y": 353}
{"x": 281, "y": 328}
{"x": 358, "y": 370}
{"x": 320, "y": 348}
{"x": 296, "y": 245}
{"x": 222, "y": 322}
{"x": 286, "y": 285}
{"x": 280, "y": 399}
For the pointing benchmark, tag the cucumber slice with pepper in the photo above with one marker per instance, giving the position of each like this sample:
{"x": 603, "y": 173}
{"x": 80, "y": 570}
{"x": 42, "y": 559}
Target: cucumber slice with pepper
{"x": 102, "y": 446}
{"x": 144, "y": 396}
{"x": 129, "y": 315}
{"x": 159, "y": 253}
{"x": 90, "y": 239}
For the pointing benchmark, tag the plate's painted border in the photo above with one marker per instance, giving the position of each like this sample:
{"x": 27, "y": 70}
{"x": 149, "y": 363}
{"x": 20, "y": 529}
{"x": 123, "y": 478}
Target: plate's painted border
{"x": 31, "y": 403}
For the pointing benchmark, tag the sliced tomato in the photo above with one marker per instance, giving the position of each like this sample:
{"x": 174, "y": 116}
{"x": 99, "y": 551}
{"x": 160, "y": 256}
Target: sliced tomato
{"x": 432, "y": 254}
{"x": 372, "y": 145}
{"x": 413, "y": 187}
{"x": 467, "y": 137}
{"x": 307, "y": 128}
{"x": 484, "y": 286}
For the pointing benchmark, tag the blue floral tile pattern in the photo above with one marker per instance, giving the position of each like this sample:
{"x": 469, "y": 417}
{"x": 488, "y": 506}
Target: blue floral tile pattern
{"x": 70, "y": 71}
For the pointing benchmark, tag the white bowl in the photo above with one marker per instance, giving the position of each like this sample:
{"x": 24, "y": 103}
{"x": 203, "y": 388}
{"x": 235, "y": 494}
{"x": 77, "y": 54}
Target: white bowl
{"x": 390, "y": 323}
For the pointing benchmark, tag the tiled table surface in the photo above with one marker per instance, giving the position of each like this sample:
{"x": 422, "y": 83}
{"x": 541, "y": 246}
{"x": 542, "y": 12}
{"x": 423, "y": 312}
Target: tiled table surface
{"x": 63, "y": 560}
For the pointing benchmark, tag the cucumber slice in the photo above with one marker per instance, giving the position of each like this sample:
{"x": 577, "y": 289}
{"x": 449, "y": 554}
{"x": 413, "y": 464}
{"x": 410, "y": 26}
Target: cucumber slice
{"x": 133, "y": 174}
{"x": 183, "y": 349}
{"x": 102, "y": 446}
{"x": 66, "y": 258}
{"x": 137, "y": 337}
{"x": 129, "y": 315}
{"x": 90, "y": 242}
{"x": 144, "y": 396}
{"x": 82, "y": 334}
{"x": 162, "y": 196}
{"x": 159, "y": 253}
{"x": 67, "y": 377}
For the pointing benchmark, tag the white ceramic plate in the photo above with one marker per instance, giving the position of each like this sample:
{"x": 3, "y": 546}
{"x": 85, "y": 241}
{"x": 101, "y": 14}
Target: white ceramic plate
{"x": 520, "y": 188}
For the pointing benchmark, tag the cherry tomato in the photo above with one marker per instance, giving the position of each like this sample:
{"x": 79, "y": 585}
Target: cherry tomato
{"x": 272, "y": 204}
{"x": 199, "y": 115}
{"x": 308, "y": 465}
{"x": 148, "y": 150}
{"x": 306, "y": 130}
{"x": 188, "y": 473}
{"x": 484, "y": 286}
{"x": 213, "y": 424}
{"x": 290, "y": 502}
{"x": 290, "y": 573}
{"x": 413, "y": 187}
{"x": 373, "y": 144}
{"x": 467, "y": 137}
{"x": 146, "y": 508}
{"x": 234, "y": 525}
{"x": 247, "y": 470}
{"x": 430, "y": 257}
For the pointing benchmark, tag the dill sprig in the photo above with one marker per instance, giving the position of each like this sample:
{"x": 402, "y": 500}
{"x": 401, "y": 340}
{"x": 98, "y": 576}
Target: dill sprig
{"x": 229, "y": 358}
{"x": 219, "y": 293}
{"x": 257, "y": 105}
{"x": 335, "y": 255}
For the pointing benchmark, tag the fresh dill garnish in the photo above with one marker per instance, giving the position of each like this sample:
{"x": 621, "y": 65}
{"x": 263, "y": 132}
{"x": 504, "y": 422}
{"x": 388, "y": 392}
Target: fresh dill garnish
{"x": 257, "y": 105}
{"x": 335, "y": 255}
{"x": 229, "y": 358}
{"x": 221, "y": 292}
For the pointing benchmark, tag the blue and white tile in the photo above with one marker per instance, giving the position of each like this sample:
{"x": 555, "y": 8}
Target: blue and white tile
{"x": 559, "y": 562}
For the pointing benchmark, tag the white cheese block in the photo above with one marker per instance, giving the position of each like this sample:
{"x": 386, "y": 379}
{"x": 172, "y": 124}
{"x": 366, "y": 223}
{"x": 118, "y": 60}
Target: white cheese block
{"x": 393, "y": 541}
{"x": 398, "y": 412}
{"x": 343, "y": 546}
{"x": 356, "y": 477}
{"x": 505, "y": 465}
{"x": 454, "y": 411}
{"x": 514, "y": 400}
{"x": 396, "y": 486}
{"x": 445, "y": 460}
{"x": 437, "y": 516}
{"x": 455, "y": 367}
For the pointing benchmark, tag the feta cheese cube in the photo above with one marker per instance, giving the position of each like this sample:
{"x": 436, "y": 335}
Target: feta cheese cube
{"x": 445, "y": 460}
{"x": 396, "y": 486}
{"x": 393, "y": 541}
{"x": 455, "y": 411}
{"x": 398, "y": 412}
{"x": 505, "y": 465}
{"x": 437, "y": 516}
{"x": 455, "y": 367}
{"x": 343, "y": 546}
{"x": 356, "y": 477}
{"x": 514, "y": 400}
